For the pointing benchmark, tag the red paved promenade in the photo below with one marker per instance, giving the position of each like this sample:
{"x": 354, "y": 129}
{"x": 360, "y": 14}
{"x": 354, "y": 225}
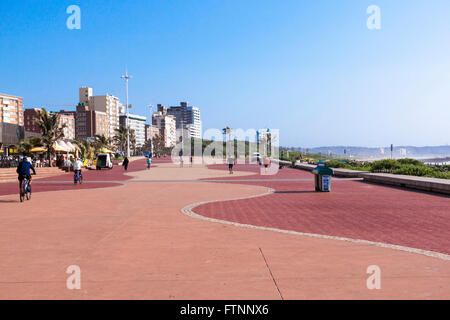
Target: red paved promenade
{"x": 64, "y": 181}
{"x": 353, "y": 209}
{"x": 134, "y": 242}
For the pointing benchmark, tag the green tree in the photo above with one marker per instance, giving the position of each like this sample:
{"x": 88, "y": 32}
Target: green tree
{"x": 158, "y": 144}
{"x": 51, "y": 131}
{"x": 25, "y": 145}
{"x": 101, "y": 141}
{"x": 132, "y": 142}
{"x": 120, "y": 138}
{"x": 85, "y": 148}
{"x": 147, "y": 147}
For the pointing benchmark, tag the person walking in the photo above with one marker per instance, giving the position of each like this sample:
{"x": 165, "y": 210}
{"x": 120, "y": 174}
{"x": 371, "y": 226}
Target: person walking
{"x": 181, "y": 159}
{"x": 125, "y": 163}
{"x": 231, "y": 161}
{"x": 258, "y": 159}
{"x": 191, "y": 160}
{"x": 266, "y": 163}
{"x": 149, "y": 162}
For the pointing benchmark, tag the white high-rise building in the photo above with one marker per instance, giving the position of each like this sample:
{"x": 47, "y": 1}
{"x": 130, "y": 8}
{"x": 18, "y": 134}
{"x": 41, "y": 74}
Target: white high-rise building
{"x": 136, "y": 123}
{"x": 166, "y": 125}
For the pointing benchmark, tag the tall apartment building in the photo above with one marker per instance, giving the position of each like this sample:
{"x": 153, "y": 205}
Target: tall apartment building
{"x": 136, "y": 123}
{"x": 108, "y": 104}
{"x": 89, "y": 123}
{"x": 67, "y": 118}
{"x": 64, "y": 117}
{"x": 166, "y": 125}
{"x": 11, "y": 121}
{"x": 151, "y": 131}
{"x": 188, "y": 120}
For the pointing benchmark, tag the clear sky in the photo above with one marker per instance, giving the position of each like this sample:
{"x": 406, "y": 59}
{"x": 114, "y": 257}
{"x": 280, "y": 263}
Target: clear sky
{"x": 310, "y": 68}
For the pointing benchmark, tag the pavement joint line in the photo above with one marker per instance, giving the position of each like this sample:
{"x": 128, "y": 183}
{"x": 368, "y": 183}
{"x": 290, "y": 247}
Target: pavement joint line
{"x": 188, "y": 210}
{"x": 271, "y": 274}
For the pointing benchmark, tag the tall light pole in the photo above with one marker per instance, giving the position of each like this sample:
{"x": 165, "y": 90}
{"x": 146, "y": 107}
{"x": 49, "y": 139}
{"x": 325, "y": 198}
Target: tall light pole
{"x": 126, "y": 77}
{"x": 151, "y": 128}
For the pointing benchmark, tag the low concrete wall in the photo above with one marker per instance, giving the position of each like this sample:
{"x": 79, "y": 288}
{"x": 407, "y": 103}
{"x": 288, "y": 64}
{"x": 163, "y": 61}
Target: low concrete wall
{"x": 341, "y": 173}
{"x": 419, "y": 183}
{"x": 412, "y": 182}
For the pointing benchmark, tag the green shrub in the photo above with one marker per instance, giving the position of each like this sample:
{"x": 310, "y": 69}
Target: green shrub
{"x": 414, "y": 170}
{"x": 336, "y": 164}
{"x": 385, "y": 165}
{"x": 441, "y": 175}
{"x": 411, "y": 161}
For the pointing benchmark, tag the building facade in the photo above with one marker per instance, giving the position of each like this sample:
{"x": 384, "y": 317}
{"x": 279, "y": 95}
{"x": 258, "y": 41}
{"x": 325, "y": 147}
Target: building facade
{"x": 136, "y": 123}
{"x": 166, "y": 125}
{"x": 30, "y": 116}
{"x": 11, "y": 121}
{"x": 67, "y": 118}
{"x": 64, "y": 118}
{"x": 151, "y": 131}
{"x": 108, "y": 104}
{"x": 89, "y": 123}
{"x": 188, "y": 122}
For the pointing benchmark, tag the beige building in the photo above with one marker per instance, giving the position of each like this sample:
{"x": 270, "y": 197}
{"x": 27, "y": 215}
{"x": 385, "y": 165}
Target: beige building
{"x": 108, "y": 104}
{"x": 151, "y": 131}
{"x": 11, "y": 121}
{"x": 166, "y": 125}
{"x": 67, "y": 118}
{"x": 89, "y": 123}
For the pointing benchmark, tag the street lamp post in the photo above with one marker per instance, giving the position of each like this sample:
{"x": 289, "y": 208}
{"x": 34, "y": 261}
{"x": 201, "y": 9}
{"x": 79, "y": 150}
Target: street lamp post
{"x": 151, "y": 129}
{"x": 126, "y": 77}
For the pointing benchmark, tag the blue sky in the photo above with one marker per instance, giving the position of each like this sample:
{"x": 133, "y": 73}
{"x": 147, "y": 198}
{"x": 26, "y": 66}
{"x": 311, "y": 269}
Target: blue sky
{"x": 309, "y": 68}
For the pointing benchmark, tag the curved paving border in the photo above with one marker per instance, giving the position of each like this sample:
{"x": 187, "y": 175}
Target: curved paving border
{"x": 188, "y": 210}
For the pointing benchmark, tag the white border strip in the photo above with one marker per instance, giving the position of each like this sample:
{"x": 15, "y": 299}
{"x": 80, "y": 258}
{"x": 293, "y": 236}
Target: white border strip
{"x": 188, "y": 210}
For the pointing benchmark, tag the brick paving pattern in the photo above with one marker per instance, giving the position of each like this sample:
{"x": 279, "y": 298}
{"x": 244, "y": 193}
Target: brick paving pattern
{"x": 354, "y": 209}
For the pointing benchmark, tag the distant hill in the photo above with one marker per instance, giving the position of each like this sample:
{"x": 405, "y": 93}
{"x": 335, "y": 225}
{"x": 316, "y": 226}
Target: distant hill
{"x": 428, "y": 152}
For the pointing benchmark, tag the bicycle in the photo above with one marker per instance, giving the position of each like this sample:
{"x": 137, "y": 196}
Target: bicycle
{"x": 25, "y": 190}
{"x": 78, "y": 177}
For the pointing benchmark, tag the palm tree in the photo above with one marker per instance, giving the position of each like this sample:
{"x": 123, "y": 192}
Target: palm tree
{"x": 101, "y": 141}
{"x": 133, "y": 141}
{"x": 51, "y": 131}
{"x": 86, "y": 151}
{"x": 120, "y": 138}
{"x": 25, "y": 145}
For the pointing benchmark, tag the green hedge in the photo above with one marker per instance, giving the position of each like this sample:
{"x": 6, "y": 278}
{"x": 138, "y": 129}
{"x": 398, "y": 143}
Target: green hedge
{"x": 411, "y": 167}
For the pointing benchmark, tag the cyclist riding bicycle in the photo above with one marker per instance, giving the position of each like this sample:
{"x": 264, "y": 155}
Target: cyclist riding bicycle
{"x": 23, "y": 170}
{"x": 77, "y": 165}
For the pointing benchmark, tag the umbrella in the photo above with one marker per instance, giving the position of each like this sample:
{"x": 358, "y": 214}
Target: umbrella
{"x": 106, "y": 150}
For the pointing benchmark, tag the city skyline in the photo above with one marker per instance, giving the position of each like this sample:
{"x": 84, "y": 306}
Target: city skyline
{"x": 314, "y": 71}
